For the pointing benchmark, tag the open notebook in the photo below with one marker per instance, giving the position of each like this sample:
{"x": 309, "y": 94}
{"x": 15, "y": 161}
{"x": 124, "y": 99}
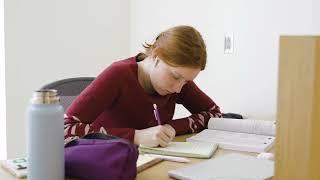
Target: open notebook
{"x": 185, "y": 149}
{"x": 238, "y": 134}
{"x": 232, "y": 166}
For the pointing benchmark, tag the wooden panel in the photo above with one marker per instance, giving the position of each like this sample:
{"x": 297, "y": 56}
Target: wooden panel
{"x": 298, "y": 128}
{"x": 315, "y": 148}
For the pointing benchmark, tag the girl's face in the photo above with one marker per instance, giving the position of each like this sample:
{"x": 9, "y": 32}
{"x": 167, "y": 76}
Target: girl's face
{"x": 167, "y": 79}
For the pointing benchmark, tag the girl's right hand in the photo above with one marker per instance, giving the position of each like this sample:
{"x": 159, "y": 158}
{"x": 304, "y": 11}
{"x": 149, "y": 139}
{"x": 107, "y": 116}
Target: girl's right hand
{"x": 155, "y": 136}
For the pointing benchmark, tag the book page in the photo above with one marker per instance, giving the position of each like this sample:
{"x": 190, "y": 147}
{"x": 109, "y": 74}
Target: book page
{"x": 234, "y": 140}
{"x": 251, "y": 126}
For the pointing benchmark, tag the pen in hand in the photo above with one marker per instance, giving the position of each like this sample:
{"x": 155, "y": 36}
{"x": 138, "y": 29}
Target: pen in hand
{"x": 156, "y": 114}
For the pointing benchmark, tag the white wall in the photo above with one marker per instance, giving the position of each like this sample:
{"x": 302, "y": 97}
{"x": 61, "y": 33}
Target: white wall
{"x": 246, "y": 81}
{"x": 50, "y": 40}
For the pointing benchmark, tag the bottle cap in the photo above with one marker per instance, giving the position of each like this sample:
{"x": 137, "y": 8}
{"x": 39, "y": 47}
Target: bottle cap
{"x": 45, "y": 96}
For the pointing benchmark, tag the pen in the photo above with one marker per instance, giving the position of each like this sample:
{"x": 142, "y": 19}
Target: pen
{"x": 156, "y": 114}
{"x": 171, "y": 158}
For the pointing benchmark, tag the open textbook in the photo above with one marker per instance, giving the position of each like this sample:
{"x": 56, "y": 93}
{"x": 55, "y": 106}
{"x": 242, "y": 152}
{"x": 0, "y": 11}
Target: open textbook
{"x": 238, "y": 134}
{"x": 184, "y": 149}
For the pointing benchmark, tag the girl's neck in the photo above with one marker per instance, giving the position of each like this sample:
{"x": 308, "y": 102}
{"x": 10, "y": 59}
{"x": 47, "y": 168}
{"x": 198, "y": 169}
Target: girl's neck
{"x": 144, "y": 68}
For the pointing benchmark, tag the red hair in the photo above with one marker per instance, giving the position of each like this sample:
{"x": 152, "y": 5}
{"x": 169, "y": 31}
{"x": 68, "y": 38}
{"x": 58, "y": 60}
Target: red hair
{"x": 178, "y": 46}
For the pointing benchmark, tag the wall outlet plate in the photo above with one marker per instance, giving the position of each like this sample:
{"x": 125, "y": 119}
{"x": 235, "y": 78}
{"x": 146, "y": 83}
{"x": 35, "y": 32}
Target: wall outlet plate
{"x": 228, "y": 43}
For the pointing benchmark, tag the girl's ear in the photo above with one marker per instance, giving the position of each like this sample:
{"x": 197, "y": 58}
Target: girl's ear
{"x": 154, "y": 53}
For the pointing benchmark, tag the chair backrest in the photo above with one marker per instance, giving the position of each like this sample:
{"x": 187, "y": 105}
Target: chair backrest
{"x": 68, "y": 89}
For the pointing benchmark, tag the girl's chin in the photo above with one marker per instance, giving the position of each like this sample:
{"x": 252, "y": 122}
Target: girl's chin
{"x": 163, "y": 92}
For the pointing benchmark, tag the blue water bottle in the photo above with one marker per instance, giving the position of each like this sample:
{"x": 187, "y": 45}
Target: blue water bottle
{"x": 45, "y": 136}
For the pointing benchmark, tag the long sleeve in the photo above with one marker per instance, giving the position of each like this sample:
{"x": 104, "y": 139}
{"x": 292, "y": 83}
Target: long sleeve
{"x": 101, "y": 94}
{"x": 201, "y": 107}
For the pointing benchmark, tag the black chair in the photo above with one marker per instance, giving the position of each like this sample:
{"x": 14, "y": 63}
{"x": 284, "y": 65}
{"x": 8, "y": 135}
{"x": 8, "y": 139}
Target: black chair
{"x": 232, "y": 115}
{"x": 68, "y": 89}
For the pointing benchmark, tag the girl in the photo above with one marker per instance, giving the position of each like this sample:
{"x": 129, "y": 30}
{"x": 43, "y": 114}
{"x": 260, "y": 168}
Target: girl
{"x": 121, "y": 101}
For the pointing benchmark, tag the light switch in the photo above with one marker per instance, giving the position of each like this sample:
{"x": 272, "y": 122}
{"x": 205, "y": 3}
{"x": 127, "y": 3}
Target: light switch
{"x": 228, "y": 43}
